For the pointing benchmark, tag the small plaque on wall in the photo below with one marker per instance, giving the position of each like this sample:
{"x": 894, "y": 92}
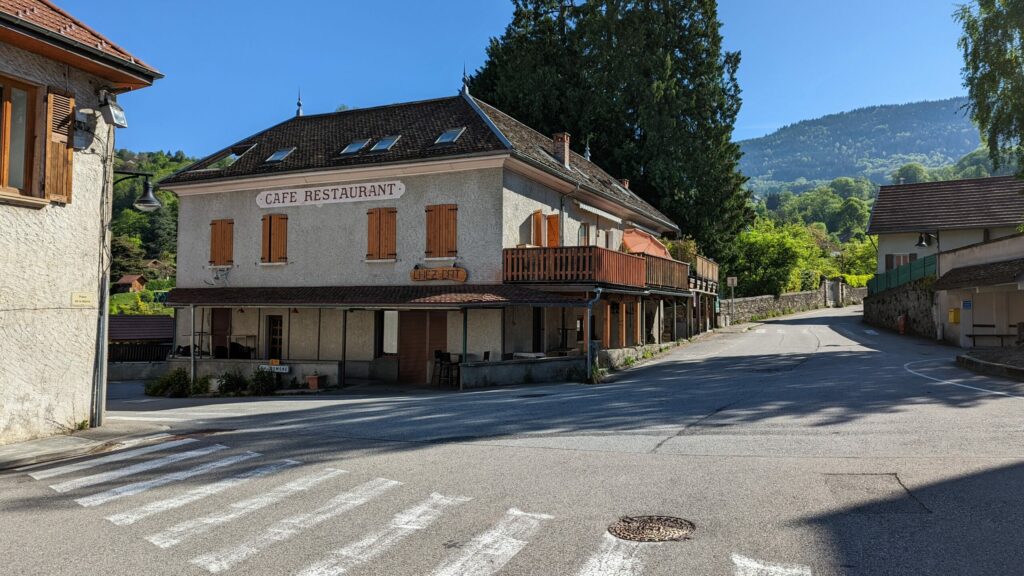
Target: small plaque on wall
{"x": 451, "y": 273}
{"x": 83, "y": 300}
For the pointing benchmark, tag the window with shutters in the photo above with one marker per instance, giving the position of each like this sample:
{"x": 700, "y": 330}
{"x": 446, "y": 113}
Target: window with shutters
{"x": 275, "y": 239}
{"x": 442, "y": 231}
{"x": 222, "y": 242}
{"x": 545, "y": 229}
{"x": 584, "y": 235}
{"x": 380, "y": 233}
{"x": 17, "y": 137}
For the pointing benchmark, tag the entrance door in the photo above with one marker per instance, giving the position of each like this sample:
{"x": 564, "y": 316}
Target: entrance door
{"x": 419, "y": 335}
{"x": 220, "y": 331}
{"x": 275, "y": 337}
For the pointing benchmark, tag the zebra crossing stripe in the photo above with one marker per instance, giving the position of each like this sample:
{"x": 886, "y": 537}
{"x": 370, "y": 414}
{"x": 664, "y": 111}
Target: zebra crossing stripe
{"x": 615, "y": 558}
{"x": 196, "y": 494}
{"x": 402, "y": 525}
{"x": 287, "y": 528}
{"x": 139, "y": 487}
{"x": 116, "y": 457}
{"x": 189, "y": 528}
{"x": 490, "y": 551}
{"x": 135, "y": 468}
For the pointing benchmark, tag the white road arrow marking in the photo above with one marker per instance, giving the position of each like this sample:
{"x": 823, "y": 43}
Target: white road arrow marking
{"x": 116, "y": 457}
{"x": 488, "y": 552}
{"x": 750, "y": 567}
{"x": 615, "y": 558}
{"x": 135, "y": 468}
{"x": 404, "y": 524}
{"x": 871, "y": 332}
{"x": 133, "y": 516}
{"x": 189, "y": 528}
{"x": 139, "y": 487}
{"x": 286, "y": 529}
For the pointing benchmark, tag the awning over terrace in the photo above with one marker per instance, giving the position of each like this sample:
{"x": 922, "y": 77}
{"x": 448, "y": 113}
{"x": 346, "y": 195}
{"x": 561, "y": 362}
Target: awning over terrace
{"x": 991, "y": 274}
{"x": 636, "y": 241}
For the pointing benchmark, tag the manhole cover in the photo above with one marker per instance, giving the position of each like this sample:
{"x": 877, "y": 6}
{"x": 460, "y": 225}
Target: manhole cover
{"x": 652, "y": 528}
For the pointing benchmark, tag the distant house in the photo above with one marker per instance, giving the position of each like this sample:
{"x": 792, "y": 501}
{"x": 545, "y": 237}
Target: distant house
{"x": 59, "y": 87}
{"x": 130, "y": 283}
{"x": 913, "y": 221}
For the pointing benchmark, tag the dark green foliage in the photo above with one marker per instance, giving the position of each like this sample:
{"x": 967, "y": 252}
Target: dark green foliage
{"x": 647, "y": 85}
{"x": 200, "y": 386}
{"x": 174, "y": 384}
{"x": 992, "y": 44}
{"x": 126, "y": 257}
{"x": 868, "y": 142}
{"x": 263, "y": 383}
{"x": 233, "y": 382}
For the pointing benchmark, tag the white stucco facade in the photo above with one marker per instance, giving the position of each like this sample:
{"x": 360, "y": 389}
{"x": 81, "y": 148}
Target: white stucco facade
{"x": 906, "y": 242}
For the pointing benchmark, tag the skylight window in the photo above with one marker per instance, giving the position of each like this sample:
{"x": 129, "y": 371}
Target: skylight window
{"x": 355, "y": 146}
{"x": 385, "y": 144}
{"x": 280, "y": 155}
{"x": 450, "y": 136}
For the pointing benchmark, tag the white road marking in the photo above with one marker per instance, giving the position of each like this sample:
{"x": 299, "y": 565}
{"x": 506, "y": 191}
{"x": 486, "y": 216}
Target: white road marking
{"x": 488, "y": 552}
{"x": 871, "y": 332}
{"x": 133, "y": 516}
{"x": 135, "y": 468}
{"x": 139, "y": 487}
{"x": 750, "y": 567}
{"x": 115, "y": 457}
{"x": 189, "y": 528}
{"x": 760, "y": 331}
{"x": 403, "y": 524}
{"x": 941, "y": 381}
{"x": 286, "y": 529}
{"x": 805, "y": 331}
{"x": 147, "y": 419}
{"x": 615, "y": 558}
{"x": 780, "y": 331}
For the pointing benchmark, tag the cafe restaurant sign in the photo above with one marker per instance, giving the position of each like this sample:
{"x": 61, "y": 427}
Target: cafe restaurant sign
{"x": 331, "y": 194}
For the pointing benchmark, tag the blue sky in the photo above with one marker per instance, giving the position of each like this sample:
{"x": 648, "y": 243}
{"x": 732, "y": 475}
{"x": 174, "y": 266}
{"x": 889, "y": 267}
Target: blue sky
{"x": 233, "y": 67}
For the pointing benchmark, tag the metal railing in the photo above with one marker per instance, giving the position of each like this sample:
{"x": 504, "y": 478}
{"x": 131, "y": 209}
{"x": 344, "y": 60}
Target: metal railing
{"x": 923, "y": 268}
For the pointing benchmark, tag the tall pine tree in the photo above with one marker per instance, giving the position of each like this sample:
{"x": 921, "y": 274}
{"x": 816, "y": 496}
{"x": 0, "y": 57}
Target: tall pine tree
{"x": 648, "y": 85}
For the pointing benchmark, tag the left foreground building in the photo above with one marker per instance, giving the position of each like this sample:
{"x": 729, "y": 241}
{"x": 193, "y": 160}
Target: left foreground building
{"x": 59, "y": 81}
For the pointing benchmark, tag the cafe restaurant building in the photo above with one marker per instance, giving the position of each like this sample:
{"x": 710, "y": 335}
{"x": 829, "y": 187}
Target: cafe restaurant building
{"x": 438, "y": 242}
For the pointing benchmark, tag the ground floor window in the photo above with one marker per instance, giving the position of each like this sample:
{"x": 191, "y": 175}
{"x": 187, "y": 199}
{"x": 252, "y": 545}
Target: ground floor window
{"x": 275, "y": 337}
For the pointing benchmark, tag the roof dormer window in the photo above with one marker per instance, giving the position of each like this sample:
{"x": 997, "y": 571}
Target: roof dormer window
{"x": 385, "y": 144}
{"x": 279, "y": 156}
{"x": 450, "y": 136}
{"x": 354, "y": 146}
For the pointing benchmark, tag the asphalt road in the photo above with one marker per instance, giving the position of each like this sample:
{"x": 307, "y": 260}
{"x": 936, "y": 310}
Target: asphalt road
{"x": 808, "y": 445}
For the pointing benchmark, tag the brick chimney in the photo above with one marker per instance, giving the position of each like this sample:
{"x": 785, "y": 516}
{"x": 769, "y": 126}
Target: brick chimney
{"x": 560, "y": 141}
{"x": 625, "y": 183}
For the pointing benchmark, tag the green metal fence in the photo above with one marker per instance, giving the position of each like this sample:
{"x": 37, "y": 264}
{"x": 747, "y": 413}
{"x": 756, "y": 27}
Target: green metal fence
{"x": 901, "y": 275}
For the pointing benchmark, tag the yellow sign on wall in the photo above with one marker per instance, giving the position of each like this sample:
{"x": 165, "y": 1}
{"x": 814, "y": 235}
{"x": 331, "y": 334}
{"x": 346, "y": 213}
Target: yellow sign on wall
{"x": 83, "y": 300}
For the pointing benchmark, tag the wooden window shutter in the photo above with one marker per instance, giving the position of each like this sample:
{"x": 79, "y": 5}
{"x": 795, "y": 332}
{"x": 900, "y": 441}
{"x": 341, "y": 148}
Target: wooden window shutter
{"x": 442, "y": 230}
{"x": 60, "y": 153}
{"x": 389, "y": 233}
{"x": 538, "y": 229}
{"x": 222, "y": 238}
{"x": 229, "y": 242}
{"x": 450, "y": 228}
{"x": 553, "y": 233}
{"x": 265, "y": 253}
{"x": 888, "y": 261}
{"x": 373, "y": 234}
{"x": 279, "y": 238}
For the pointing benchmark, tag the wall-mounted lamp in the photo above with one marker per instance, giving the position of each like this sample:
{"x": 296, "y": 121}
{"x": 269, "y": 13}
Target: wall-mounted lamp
{"x": 925, "y": 239}
{"x": 112, "y": 111}
{"x": 147, "y": 201}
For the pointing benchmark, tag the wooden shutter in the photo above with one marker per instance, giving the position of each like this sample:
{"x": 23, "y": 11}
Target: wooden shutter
{"x": 265, "y": 252}
{"x": 538, "y": 228}
{"x": 433, "y": 242}
{"x": 279, "y": 238}
{"x": 228, "y": 242}
{"x": 553, "y": 235}
{"x": 888, "y": 261}
{"x": 222, "y": 239}
{"x": 389, "y": 233}
{"x": 59, "y": 168}
{"x": 442, "y": 230}
{"x": 373, "y": 234}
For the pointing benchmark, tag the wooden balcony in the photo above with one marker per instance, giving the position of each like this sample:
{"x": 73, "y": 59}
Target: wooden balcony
{"x": 704, "y": 274}
{"x": 667, "y": 274}
{"x": 572, "y": 265}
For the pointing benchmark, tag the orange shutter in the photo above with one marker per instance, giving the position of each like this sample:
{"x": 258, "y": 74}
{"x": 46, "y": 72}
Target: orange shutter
{"x": 388, "y": 233}
{"x": 553, "y": 236}
{"x": 60, "y": 112}
{"x": 227, "y": 243}
{"x": 279, "y": 238}
{"x": 433, "y": 242}
{"x": 538, "y": 228}
{"x": 265, "y": 253}
{"x": 449, "y": 226}
{"x": 373, "y": 234}
{"x": 214, "y": 239}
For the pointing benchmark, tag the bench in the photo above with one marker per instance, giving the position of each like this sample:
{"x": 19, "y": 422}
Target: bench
{"x": 1002, "y": 337}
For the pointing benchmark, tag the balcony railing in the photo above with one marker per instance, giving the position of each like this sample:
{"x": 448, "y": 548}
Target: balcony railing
{"x": 706, "y": 269}
{"x": 666, "y": 273}
{"x": 570, "y": 264}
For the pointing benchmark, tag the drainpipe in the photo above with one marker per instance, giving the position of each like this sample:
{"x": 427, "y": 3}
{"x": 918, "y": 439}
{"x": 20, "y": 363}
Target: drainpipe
{"x": 589, "y": 340}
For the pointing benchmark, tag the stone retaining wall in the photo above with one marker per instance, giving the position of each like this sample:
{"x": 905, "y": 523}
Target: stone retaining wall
{"x": 914, "y": 299}
{"x": 758, "y": 307}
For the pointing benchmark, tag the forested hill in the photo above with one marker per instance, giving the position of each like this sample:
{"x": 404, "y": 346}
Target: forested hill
{"x": 870, "y": 142}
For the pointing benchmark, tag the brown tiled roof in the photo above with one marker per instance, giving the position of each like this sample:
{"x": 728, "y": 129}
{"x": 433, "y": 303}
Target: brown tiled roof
{"x": 47, "y": 15}
{"x": 318, "y": 140}
{"x": 975, "y": 203}
{"x": 129, "y": 328}
{"x": 991, "y": 274}
{"x": 411, "y": 296}
{"x": 536, "y": 147}
{"x": 129, "y": 278}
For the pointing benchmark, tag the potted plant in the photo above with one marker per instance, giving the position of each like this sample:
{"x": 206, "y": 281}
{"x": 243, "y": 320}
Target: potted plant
{"x": 316, "y": 380}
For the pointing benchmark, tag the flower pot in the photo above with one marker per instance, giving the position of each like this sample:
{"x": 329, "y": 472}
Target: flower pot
{"x": 316, "y": 381}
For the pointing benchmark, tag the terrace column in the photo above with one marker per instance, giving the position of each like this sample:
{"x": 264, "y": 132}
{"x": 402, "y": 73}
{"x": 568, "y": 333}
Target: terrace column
{"x": 638, "y": 329}
{"x": 192, "y": 342}
{"x": 465, "y": 341}
{"x": 606, "y": 334}
{"x": 622, "y": 323}
{"x": 675, "y": 321}
{"x": 342, "y": 379}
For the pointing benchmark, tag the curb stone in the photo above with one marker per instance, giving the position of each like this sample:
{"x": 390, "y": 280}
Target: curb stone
{"x": 990, "y": 368}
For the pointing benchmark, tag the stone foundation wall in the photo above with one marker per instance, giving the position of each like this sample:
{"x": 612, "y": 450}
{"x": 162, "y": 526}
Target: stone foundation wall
{"x": 758, "y": 307}
{"x": 914, "y": 299}
{"x": 527, "y": 371}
